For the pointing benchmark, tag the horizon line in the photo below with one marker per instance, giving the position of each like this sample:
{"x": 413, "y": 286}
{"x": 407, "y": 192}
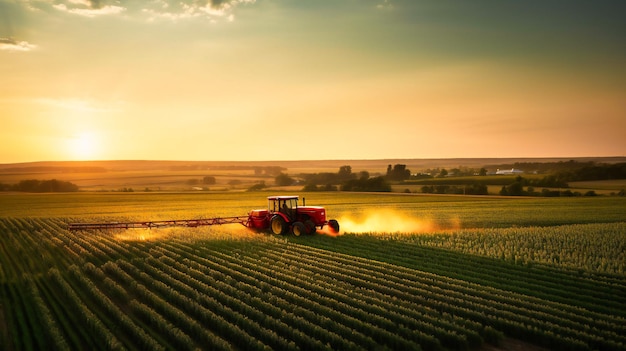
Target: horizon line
{"x": 318, "y": 160}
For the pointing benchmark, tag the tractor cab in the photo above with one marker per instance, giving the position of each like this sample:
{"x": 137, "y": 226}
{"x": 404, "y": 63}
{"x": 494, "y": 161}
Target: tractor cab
{"x": 287, "y": 205}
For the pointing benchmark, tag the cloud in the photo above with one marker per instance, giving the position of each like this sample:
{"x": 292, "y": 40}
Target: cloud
{"x": 153, "y": 9}
{"x": 89, "y": 8}
{"x": 10, "y": 44}
{"x": 178, "y": 10}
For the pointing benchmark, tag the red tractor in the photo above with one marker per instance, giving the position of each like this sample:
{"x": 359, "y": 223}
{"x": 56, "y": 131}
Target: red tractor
{"x": 283, "y": 215}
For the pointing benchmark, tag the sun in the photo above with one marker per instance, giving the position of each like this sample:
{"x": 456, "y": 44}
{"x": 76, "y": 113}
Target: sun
{"x": 84, "y": 146}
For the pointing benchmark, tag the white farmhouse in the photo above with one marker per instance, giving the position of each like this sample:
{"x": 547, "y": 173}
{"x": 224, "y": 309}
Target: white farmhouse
{"x": 509, "y": 171}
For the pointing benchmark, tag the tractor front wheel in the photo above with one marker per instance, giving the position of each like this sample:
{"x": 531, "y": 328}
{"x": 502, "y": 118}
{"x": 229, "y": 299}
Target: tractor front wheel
{"x": 298, "y": 228}
{"x": 278, "y": 225}
{"x": 334, "y": 225}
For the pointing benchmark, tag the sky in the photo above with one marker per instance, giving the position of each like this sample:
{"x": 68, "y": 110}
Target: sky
{"x": 247, "y": 80}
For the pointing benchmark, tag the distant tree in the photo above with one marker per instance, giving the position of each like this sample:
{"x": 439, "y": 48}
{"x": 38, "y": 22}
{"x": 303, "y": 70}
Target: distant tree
{"x": 29, "y": 185}
{"x": 45, "y": 186}
{"x": 310, "y": 187}
{"x": 428, "y": 189}
{"x": 551, "y": 181}
{"x": 364, "y": 175}
{"x": 320, "y": 178}
{"x": 258, "y": 186}
{"x": 482, "y": 172}
{"x": 209, "y": 180}
{"x": 550, "y": 193}
{"x": 377, "y": 184}
{"x": 283, "y": 180}
{"x": 58, "y": 186}
{"x": 442, "y": 189}
{"x": 399, "y": 172}
{"x": 504, "y": 191}
{"x": 443, "y": 173}
{"x": 329, "y": 187}
{"x": 476, "y": 189}
{"x": 234, "y": 182}
{"x": 513, "y": 189}
{"x": 345, "y": 172}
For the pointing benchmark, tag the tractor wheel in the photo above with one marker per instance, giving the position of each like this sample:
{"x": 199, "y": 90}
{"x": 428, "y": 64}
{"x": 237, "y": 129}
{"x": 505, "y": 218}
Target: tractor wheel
{"x": 278, "y": 225}
{"x": 334, "y": 225}
{"x": 310, "y": 227}
{"x": 298, "y": 228}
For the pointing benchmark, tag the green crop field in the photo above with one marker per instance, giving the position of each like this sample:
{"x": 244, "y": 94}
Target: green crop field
{"x": 408, "y": 272}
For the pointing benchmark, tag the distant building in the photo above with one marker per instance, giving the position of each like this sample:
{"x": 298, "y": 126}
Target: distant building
{"x": 509, "y": 171}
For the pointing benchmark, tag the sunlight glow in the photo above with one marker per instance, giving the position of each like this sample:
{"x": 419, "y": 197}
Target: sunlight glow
{"x": 84, "y": 146}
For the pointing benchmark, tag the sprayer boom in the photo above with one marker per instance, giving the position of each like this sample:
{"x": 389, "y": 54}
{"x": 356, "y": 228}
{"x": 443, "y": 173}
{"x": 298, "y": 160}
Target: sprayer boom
{"x": 161, "y": 224}
{"x": 282, "y": 216}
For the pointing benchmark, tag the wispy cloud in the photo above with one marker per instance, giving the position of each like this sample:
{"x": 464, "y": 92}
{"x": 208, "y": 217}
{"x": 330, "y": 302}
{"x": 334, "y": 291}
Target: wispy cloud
{"x": 89, "y": 8}
{"x": 90, "y": 12}
{"x": 10, "y": 44}
{"x": 153, "y": 9}
{"x": 178, "y": 10}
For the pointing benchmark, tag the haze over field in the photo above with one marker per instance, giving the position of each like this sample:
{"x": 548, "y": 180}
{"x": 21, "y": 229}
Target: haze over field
{"x": 327, "y": 79}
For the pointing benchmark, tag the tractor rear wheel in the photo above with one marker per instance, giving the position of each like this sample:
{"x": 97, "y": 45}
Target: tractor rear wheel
{"x": 298, "y": 228}
{"x": 278, "y": 225}
{"x": 334, "y": 225}
{"x": 310, "y": 227}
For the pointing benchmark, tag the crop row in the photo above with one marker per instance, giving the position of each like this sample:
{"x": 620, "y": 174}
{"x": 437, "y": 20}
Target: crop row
{"x": 453, "y": 287}
{"x": 92, "y": 291}
{"x": 597, "y": 247}
{"x": 591, "y": 291}
{"x": 366, "y": 280}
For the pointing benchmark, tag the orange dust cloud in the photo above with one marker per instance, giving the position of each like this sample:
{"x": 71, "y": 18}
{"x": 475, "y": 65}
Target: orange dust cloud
{"x": 329, "y": 232}
{"x": 390, "y": 221}
{"x": 139, "y": 235}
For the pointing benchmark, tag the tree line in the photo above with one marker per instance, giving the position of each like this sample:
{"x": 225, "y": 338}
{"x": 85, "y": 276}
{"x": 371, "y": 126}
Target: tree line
{"x": 546, "y": 167}
{"x": 346, "y": 180}
{"x": 526, "y": 187}
{"x": 41, "y": 186}
{"x": 595, "y": 172}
